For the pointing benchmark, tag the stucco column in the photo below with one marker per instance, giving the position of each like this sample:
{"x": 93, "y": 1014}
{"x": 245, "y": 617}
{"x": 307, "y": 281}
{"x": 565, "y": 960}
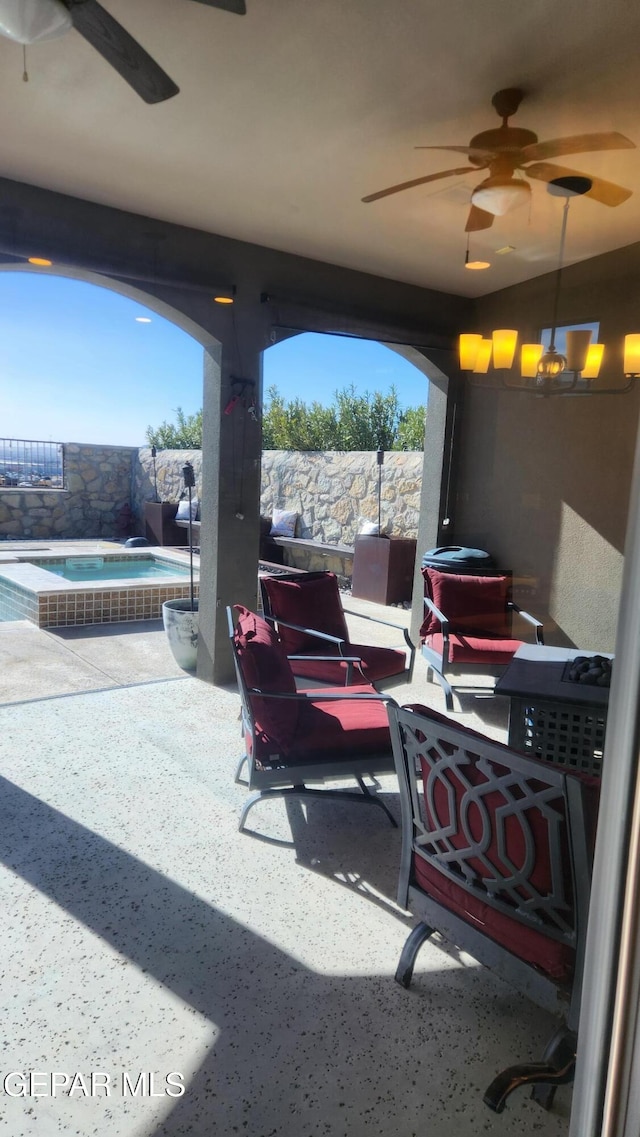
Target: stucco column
{"x": 230, "y": 509}
{"x": 435, "y": 476}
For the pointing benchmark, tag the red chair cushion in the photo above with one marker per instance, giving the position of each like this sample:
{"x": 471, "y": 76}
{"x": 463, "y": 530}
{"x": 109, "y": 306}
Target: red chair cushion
{"x": 264, "y": 664}
{"x": 346, "y": 728}
{"x": 555, "y": 959}
{"x": 475, "y": 649}
{"x": 377, "y": 663}
{"x": 310, "y": 602}
{"x": 472, "y": 604}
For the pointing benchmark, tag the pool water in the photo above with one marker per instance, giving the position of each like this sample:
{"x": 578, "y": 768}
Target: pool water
{"x": 96, "y": 569}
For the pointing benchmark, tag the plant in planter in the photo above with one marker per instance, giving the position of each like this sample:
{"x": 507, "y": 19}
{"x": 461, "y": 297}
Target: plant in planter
{"x": 180, "y": 617}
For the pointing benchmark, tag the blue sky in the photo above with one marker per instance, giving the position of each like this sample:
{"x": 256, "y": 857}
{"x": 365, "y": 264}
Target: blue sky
{"x": 76, "y": 366}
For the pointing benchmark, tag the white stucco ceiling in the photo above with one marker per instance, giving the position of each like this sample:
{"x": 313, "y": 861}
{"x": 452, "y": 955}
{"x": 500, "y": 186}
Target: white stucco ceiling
{"x": 289, "y": 115}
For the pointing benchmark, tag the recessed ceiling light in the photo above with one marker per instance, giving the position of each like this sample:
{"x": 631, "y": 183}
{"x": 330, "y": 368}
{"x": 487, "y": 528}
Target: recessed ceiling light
{"x": 506, "y": 249}
{"x": 39, "y": 261}
{"x": 223, "y": 299}
{"x": 478, "y": 264}
{"x": 143, "y": 319}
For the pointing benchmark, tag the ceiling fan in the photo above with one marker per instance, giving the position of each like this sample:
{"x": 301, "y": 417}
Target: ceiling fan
{"x": 508, "y": 149}
{"x": 29, "y": 21}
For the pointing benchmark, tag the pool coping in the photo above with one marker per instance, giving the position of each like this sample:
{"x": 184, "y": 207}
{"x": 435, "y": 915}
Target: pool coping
{"x": 33, "y": 595}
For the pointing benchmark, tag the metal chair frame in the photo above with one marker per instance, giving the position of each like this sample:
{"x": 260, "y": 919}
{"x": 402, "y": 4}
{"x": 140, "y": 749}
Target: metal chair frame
{"x": 445, "y": 749}
{"x": 290, "y": 779}
{"x": 438, "y": 661}
{"x": 343, "y": 646}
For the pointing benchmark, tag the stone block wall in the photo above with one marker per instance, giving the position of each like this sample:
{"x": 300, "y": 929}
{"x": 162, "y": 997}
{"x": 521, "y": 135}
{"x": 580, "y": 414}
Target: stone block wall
{"x": 95, "y": 502}
{"x": 168, "y": 476}
{"x": 334, "y": 492}
{"x": 105, "y": 486}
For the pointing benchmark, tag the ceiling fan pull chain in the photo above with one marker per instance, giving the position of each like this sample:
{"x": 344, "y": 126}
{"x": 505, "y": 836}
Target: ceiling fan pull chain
{"x": 25, "y": 75}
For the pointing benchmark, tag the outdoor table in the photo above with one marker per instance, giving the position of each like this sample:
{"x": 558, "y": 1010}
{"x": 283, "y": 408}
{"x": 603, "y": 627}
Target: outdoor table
{"x": 551, "y": 717}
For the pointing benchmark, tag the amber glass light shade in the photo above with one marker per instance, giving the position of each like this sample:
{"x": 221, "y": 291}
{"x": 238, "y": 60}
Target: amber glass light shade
{"x": 632, "y": 354}
{"x": 483, "y": 358}
{"x": 504, "y": 347}
{"x": 591, "y": 369}
{"x": 529, "y": 358}
{"x": 468, "y": 348}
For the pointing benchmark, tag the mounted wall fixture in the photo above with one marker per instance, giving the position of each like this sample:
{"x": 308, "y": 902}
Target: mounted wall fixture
{"x": 544, "y": 370}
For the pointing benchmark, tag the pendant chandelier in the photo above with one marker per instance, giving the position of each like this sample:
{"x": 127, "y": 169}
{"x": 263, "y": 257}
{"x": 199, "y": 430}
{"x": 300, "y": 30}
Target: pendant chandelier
{"x": 547, "y": 371}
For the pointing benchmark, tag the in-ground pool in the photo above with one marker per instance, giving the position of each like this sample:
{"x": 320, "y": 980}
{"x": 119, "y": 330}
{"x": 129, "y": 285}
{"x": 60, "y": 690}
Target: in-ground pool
{"x": 98, "y": 568}
{"x": 57, "y": 591}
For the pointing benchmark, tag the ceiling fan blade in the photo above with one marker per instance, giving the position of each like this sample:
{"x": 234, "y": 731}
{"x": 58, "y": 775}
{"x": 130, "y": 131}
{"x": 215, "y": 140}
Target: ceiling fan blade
{"x": 122, "y": 51}
{"x": 237, "y": 6}
{"x": 473, "y": 152}
{"x": 420, "y": 182}
{"x": 478, "y": 219}
{"x": 608, "y": 193}
{"x": 576, "y": 144}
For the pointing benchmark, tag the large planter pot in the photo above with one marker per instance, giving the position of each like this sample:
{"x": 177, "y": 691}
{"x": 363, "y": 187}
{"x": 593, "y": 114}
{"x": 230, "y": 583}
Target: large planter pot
{"x": 181, "y": 626}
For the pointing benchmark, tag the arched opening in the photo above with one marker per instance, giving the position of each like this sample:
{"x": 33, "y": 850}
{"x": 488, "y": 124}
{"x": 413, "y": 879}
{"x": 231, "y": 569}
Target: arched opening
{"x": 435, "y": 471}
{"x": 102, "y": 361}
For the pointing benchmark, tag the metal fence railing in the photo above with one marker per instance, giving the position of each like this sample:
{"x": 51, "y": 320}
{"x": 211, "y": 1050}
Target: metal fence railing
{"x": 25, "y": 463}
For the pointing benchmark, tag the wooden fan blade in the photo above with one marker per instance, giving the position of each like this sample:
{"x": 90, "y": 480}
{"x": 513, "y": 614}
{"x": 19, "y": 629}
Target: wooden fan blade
{"x": 420, "y": 182}
{"x": 576, "y": 144}
{"x": 122, "y": 51}
{"x": 478, "y": 219}
{"x": 476, "y": 155}
{"x": 608, "y": 193}
{"x": 237, "y": 6}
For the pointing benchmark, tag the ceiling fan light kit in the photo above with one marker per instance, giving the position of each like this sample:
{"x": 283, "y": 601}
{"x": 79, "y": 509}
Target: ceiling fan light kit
{"x": 544, "y": 370}
{"x": 499, "y": 195}
{"x": 29, "y": 21}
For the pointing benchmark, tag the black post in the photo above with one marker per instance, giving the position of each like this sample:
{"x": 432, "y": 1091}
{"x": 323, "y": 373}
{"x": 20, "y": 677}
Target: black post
{"x": 380, "y": 460}
{"x": 190, "y": 481}
{"x": 155, "y": 473}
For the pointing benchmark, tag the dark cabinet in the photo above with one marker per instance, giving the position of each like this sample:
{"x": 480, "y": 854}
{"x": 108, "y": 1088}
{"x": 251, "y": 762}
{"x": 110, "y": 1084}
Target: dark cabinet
{"x": 383, "y": 569}
{"x": 159, "y": 523}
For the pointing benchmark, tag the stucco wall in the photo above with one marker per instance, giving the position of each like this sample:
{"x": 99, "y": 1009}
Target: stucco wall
{"x": 544, "y": 483}
{"x": 93, "y": 503}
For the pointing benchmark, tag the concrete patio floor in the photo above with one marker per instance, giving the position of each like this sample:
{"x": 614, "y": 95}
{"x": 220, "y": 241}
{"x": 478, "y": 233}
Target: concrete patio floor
{"x": 144, "y": 935}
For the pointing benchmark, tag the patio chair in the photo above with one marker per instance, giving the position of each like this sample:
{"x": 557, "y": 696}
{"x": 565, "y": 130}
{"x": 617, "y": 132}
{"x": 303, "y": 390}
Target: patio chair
{"x": 294, "y": 738}
{"x": 468, "y": 626}
{"x": 496, "y": 856}
{"x": 308, "y": 614}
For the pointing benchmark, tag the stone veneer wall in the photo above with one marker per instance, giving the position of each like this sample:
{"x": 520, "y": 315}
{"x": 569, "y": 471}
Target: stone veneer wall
{"x": 168, "y": 474}
{"x": 94, "y": 502}
{"x": 331, "y": 492}
{"x": 334, "y": 492}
